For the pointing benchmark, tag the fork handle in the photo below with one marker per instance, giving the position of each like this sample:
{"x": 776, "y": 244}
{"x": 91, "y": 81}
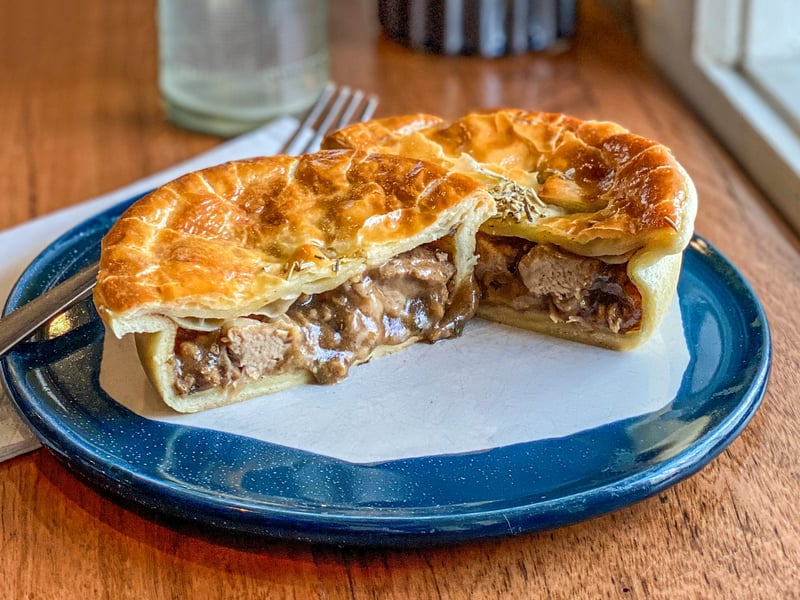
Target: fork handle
{"x": 22, "y": 322}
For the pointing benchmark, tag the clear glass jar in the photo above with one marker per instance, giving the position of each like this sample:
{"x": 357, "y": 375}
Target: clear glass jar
{"x": 227, "y": 66}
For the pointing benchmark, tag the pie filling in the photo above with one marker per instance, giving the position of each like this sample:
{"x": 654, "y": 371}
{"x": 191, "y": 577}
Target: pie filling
{"x": 410, "y": 296}
{"x": 543, "y": 278}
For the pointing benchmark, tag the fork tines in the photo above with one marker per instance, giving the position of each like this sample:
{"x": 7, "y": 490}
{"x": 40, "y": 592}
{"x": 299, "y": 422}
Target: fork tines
{"x": 336, "y": 107}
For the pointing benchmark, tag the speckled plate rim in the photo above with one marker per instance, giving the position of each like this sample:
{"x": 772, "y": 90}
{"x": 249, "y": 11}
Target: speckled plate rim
{"x": 181, "y": 471}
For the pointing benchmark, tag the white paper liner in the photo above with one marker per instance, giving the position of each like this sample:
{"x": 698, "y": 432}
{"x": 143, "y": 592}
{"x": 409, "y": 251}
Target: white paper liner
{"x": 492, "y": 387}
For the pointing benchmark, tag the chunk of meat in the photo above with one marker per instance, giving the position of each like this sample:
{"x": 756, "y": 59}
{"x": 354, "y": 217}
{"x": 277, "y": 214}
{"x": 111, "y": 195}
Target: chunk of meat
{"x": 256, "y": 346}
{"x": 541, "y": 277}
{"x": 546, "y": 270}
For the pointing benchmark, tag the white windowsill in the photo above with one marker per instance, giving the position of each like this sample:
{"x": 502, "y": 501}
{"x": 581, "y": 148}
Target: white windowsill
{"x": 696, "y": 43}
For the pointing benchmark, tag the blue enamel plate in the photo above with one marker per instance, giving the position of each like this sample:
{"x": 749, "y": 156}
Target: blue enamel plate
{"x": 239, "y": 484}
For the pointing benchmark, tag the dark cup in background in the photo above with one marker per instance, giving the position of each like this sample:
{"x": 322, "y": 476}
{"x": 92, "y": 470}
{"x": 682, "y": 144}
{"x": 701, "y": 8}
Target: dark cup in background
{"x": 480, "y": 27}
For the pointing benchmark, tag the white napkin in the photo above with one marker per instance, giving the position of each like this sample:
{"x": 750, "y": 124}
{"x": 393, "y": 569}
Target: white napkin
{"x": 20, "y": 245}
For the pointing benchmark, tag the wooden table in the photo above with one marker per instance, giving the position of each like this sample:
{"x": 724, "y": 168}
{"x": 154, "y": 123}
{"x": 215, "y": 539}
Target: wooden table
{"x": 80, "y": 115}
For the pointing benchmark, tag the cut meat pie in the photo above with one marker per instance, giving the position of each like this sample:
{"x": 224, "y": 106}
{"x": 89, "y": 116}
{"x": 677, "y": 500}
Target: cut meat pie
{"x": 591, "y": 219}
{"x": 258, "y": 275}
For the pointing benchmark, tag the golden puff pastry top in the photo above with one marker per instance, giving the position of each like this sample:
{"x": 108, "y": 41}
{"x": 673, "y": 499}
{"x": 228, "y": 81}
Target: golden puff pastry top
{"x": 251, "y": 235}
{"x": 588, "y": 186}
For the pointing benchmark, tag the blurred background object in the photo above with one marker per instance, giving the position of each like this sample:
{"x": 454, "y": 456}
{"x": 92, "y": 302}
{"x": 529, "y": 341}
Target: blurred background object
{"x": 227, "y": 66}
{"x": 483, "y": 27}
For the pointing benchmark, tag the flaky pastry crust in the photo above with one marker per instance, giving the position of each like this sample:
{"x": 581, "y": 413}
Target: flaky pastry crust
{"x": 590, "y": 187}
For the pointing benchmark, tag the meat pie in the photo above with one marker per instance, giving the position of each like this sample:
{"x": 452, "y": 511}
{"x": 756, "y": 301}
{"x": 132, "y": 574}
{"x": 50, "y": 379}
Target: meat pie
{"x": 254, "y": 276}
{"x": 591, "y": 219}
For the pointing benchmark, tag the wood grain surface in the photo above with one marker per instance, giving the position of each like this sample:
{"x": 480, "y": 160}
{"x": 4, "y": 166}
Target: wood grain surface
{"x": 80, "y": 115}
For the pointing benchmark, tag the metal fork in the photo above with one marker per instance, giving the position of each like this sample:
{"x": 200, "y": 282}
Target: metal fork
{"x": 336, "y": 107}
